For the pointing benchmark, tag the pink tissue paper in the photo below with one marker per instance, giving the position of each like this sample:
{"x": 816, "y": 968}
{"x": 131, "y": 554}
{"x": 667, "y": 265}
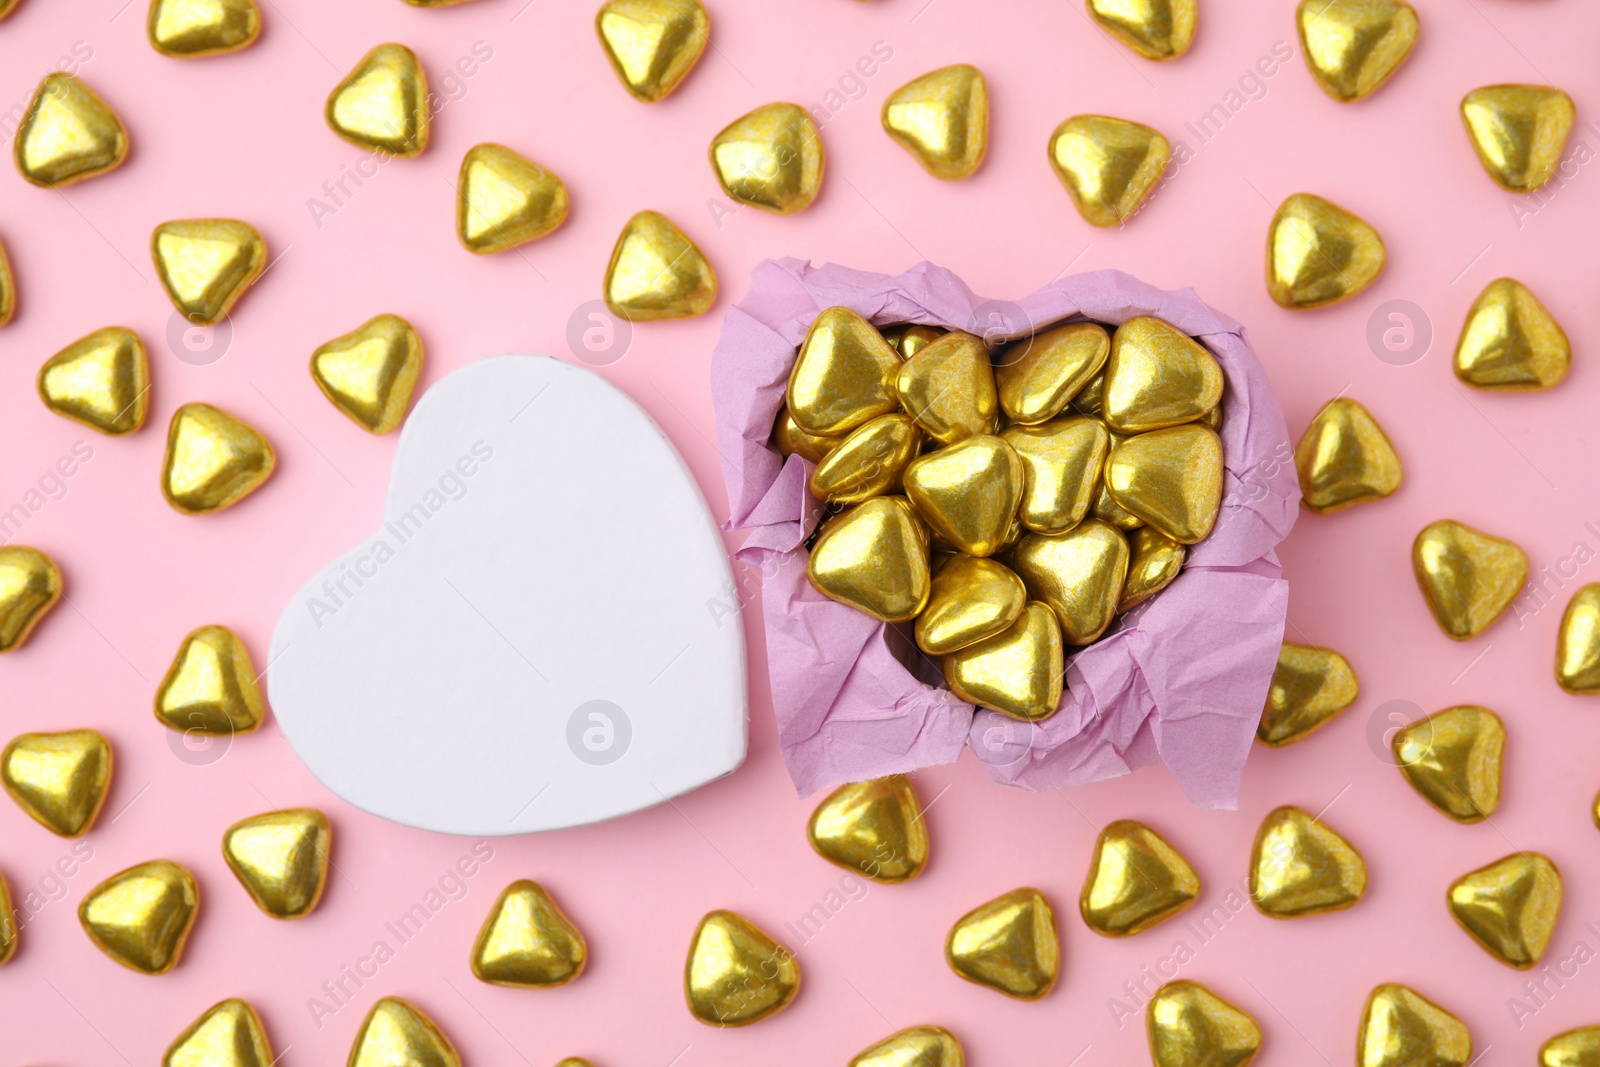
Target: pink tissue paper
{"x": 1181, "y": 679}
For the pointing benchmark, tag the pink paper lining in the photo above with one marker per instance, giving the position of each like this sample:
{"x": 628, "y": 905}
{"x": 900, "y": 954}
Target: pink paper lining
{"x": 1182, "y": 679}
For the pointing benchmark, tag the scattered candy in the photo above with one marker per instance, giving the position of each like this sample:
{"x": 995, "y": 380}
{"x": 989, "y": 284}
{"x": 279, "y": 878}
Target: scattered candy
{"x": 1578, "y": 643}
{"x": 396, "y": 1033}
{"x": 793, "y": 441}
{"x": 771, "y": 159}
{"x": 205, "y": 265}
{"x": 1511, "y": 342}
{"x": 186, "y": 28}
{"x": 281, "y": 859}
{"x": 1190, "y": 1026}
{"x": 1345, "y": 458}
{"x": 1171, "y": 479}
{"x": 874, "y": 828}
{"x": 383, "y": 103}
{"x": 1157, "y": 377}
{"x": 229, "y": 1034}
{"x": 1135, "y": 881}
{"x": 658, "y": 273}
{"x": 869, "y": 462}
{"x": 1510, "y": 907}
{"x": 1300, "y": 866}
{"x": 1467, "y": 577}
{"x": 1574, "y": 1048}
{"x": 874, "y": 557}
{"x": 1008, "y": 944}
{"x": 1353, "y": 46}
{"x": 1310, "y": 685}
{"x": 1155, "y": 561}
{"x": 1452, "y": 759}
{"x": 917, "y": 1046}
{"x": 1079, "y": 575}
{"x": 845, "y": 375}
{"x": 8, "y": 284}
{"x": 1037, "y": 378}
{"x": 142, "y": 916}
{"x": 942, "y": 119}
{"x": 59, "y": 779}
{"x": 1519, "y": 132}
{"x": 211, "y": 686}
{"x": 8, "y": 922}
{"x": 1061, "y": 464}
{"x": 527, "y": 941}
{"x": 371, "y": 372}
{"x": 948, "y": 387}
{"x": 652, "y": 44}
{"x": 68, "y": 134}
{"x": 1402, "y": 1028}
{"x": 1318, "y": 253}
{"x": 1156, "y": 29}
{"x": 1017, "y": 672}
{"x": 968, "y": 493}
{"x": 504, "y": 200}
{"x": 737, "y": 975}
{"x": 1109, "y": 166}
{"x": 971, "y": 599}
{"x": 102, "y": 381}
{"x": 30, "y": 585}
{"x": 213, "y": 460}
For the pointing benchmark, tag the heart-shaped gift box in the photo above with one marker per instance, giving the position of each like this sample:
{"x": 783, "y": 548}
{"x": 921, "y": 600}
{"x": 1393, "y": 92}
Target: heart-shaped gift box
{"x": 1180, "y": 679}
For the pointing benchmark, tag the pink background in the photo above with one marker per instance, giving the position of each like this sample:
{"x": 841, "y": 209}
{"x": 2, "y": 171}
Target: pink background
{"x": 243, "y": 136}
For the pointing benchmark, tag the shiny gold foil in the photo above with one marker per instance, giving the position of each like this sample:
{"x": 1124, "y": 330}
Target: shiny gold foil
{"x": 1172, "y": 479}
{"x": 1467, "y": 577}
{"x": 1310, "y": 685}
{"x": 229, "y": 1034}
{"x": 1509, "y": 907}
{"x": 30, "y": 585}
{"x": 1189, "y": 1026}
{"x": 1156, "y": 29}
{"x": 59, "y": 779}
{"x": 142, "y": 916}
{"x": 382, "y": 104}
{"x": 205, "y": 265}
{"x": 186, "y": 28}
{"x": 8, "y": 283}
{"x": 371, "y": 372}
{"x": 1108, "y": 165}
{"x": 1511, "y": 341}
{"x": 1091, "y": 398}
{"x": 1155, "y": 561}
{"x": 971, "y": 599}
{"x": 771, "y": 159}
{"x": 845, "y": 374}
{"x": 1037, "y": 378}
{"x": 869, "y": 462}
{"x": 942, "y": 119}
{"x": 1345, "y": 458}
{"x": 528, "y": 941}
{"x": 1157, "y": 376}
{"x": 1061, "y": 464}
{"x": 911, "y": 339}
{"x": 504, "y": 200}
{"x": 8, "y": 922}
{"x": 658, "y": 273}
{"x": 736, "y": 975}
{"x": 874, "y": 557}
{"x": 652, "y": 44}
{"x": 1108, "y": 510}
{"x": 102, "y": 381}
{"x": 1079, "y": 574}
{"x": 1353, "y": 46}
{"x": 968, "y": 493}
{"x": 1318, "y": 253}
{"x": 1573, "y": 1048}
{"x": 1135, "y": 881}
{"x": 793, "y": 441}
{"x": 1008, "y": 944}
{"x": 1402, "y": 1028}
{"x": 281, "y": 859}
{"x": 1578, "y": 643}
{"x": 1300, "y": 866}
{"x": 7, "y": 7}
{"x": 1017, "y": 672}
{"x": 211, "y": 686}
{"x": 68, "y": 134}
{"x": 948, "y": 387}
{"x": 213, "y": 460}
{"x": 1452, "y": 759}
{"x": 1519, "y": 132}
{"x": 916, "y": 1046}
{"x": 396, "y": 1033}
{"x": 874, "y": 828}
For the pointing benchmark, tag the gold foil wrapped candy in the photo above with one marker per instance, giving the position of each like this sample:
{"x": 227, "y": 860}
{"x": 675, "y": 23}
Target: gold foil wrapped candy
{"x": 281, "y": 859}
{"x": 8, "y": 284}
{"x": 1467, "y": 577}
{"x": 1156, "y": 29}
{"x": 1157, "y": 376}
{"x": 652, "y": 44}
{"x": 1345, "y": 458}
{"x": 1578, "y": 643}
{"x": 1190, "y": 1026}
{"x": 793, "y": 441}
{"x": 1511, "y": 342}
{"x": 396, "y": 1033}
{"x": 1008, "y": 944}
{"x": 1300, "y": 866}
{"x": 1108, "y": 165}
{"x": 1155, "y": 561}
{"x": 528, "y": 941}
{"x": 1510, "y": 907}
{"x": 869, "y": 462}
{"x": 1452, "y": 759}
{"x": 910, "y": 338}
{"x": 1310, "y": 685}
{"x": 382, "y": 104}
{"x": 229, "y": 1034}
{"x": 1135, "y": 881}
{"x": 213, "y": 460}
{"x": 102, "y": 381}
{"x": 371, "y": 372}
{"x": 1402, "y": 1028}
{"x": 917, "y": 1046}
{"x": 1079, "y": 574}
{"x": 968, "y": 493}
{"x": 736, "y": 975}
{"x": 142, "y": 916}
{"x": 1037, "y": 378}
{"x": 1318, "y": 253}
{"x": 1519, "y": 132}
{"x": 942, "y": 119}
{"x": 1574, "y": 1048}
{"x": 771, "y": 159}
{"x": 845, "y": 374}
{"x": 205, "y": 265}
{"x": 186, "y": 28}
{"x": 504, "y": 200}
{"x": 1171, "y": 479}
{"x": 30, "y": 585}
{"x": 1061, "y": 463}
{"x": 68, "y": 134}
{"x": 874, "y": 828}
{"x": 1353, "y": 46}
{"x": 59, "y": 779}
{"x": 948, "y": 387}
{"x": 8, "y": 922}
{"x": 971, "y": 599}
{"x": 658, "y": 273}
{"x": 874, "y": 557}
{"x": 7, "y": 7}
{"x": 211, "y": 686}
{"x": 1109, "y": 511}
{"x": 1017, "y": 672}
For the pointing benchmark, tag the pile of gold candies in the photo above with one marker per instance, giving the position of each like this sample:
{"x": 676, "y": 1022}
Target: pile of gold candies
{"x": 1011, "y": 504}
